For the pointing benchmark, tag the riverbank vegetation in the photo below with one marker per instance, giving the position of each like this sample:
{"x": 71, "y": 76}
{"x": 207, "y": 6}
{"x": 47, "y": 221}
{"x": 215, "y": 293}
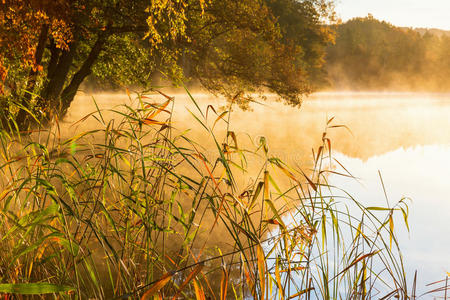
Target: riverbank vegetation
{"x": 134, "y": 209}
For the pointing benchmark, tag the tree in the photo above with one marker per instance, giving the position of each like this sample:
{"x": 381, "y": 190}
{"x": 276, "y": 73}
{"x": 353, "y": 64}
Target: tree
{"x": 272, "y": 45}
{"x": 229, "y": 46}
{"x": 60, "y": 41}
{"x": 302, "y": 26}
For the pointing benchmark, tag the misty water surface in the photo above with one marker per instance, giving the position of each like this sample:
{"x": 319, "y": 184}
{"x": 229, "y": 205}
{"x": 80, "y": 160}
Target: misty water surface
{"x": 404, "y": 136}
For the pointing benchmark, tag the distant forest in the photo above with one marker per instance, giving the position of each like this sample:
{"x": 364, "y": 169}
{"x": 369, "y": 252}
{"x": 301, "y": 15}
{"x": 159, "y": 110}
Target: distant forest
{"x": 369, "y": 54}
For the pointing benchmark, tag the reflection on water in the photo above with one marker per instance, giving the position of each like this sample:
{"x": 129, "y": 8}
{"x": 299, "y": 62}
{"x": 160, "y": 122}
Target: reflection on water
{"x": 405, "y": 136}
{"x": 420, "y": 173}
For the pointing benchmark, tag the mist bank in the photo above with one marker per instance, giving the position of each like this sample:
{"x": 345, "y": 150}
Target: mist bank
{"x": 369, "y": 54}
{"x": 368, "y": 117}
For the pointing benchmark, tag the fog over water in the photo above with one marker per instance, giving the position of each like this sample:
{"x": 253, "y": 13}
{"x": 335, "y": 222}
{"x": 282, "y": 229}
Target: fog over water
{"x": 405, "y": 136}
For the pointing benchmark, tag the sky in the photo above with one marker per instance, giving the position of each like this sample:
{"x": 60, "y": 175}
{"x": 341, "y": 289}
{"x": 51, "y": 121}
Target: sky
{"x": 408, "y": 13}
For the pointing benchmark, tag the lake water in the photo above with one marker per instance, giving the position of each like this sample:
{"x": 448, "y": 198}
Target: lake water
{"x": 405, "y": 137}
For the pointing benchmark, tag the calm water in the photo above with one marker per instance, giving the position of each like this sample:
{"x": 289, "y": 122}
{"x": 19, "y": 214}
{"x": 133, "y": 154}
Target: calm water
{"x": 404, "y": 136}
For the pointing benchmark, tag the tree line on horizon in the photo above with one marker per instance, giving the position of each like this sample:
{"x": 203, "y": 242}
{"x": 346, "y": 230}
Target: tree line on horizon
{"x": 369, "y": 54}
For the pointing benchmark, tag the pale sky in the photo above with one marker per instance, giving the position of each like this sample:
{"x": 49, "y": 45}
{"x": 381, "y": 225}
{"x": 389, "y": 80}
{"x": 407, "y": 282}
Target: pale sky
{"x": 409, "y": 13}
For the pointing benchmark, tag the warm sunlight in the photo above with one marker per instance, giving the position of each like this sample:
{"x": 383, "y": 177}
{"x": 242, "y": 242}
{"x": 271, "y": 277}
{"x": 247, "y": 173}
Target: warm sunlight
{"x": 225, "y": 149}
{"x": 406, "y": 13}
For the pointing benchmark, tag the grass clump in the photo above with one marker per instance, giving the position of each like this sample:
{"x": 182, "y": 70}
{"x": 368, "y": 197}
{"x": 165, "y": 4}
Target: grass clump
{"x": 135, "y": 209}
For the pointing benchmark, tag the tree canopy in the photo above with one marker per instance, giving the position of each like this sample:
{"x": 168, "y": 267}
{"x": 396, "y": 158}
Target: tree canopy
{"x": 48, "y": 48}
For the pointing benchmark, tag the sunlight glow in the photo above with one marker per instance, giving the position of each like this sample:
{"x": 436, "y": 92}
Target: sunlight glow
{"x": 407, "y": 13}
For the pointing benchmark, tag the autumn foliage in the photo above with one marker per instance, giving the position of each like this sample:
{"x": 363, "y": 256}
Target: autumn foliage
{"x": 49, "y": 48}
{"x": 21, "y": 23}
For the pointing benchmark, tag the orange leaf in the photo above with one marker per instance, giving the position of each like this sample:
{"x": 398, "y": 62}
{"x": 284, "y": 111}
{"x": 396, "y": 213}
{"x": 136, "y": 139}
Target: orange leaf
{"x": 157, "y": 286}
{"x": 293, "y": 269}
{"x": 278, "y": 279}
{"x": 157, "y": 111}
{"x": 310, "y": 182}
{"x": 199, "y": 293}
{"x": 359, "y": 259}
{"x": 272, "y": 221}
{"x": 152, "y": 122}
{"x": 250, "y": 283}
{"x": 188, "y": 279}
{"x": 224, "y": 284}
{"x": 301, "y": 293}
{"x": 261, "y": 269}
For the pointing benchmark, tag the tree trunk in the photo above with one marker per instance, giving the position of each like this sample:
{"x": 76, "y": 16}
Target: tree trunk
{"x": 38, "y": 57}
{"x": 54, "y": 58}
{"x": 69, "y": 92}
{"x": 25, "y": 102}
{"x": 50, "y": 95}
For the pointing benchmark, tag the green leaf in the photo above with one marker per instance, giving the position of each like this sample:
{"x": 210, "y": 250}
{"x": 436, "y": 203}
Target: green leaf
{"x": 33, "y": 288}
{"x": 73, "y": 148}
{"x": 378, "y": 208}
{"x": 72, "y": 247}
